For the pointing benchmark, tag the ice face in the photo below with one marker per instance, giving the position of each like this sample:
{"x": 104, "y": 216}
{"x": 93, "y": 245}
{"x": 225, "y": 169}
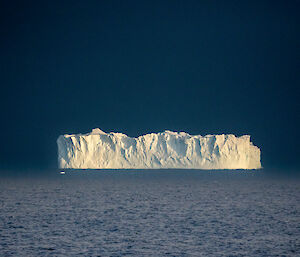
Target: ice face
{"x": 174, "y": 150}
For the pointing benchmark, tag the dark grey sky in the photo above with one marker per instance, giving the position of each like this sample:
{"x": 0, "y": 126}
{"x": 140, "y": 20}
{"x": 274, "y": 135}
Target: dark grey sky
{"x": 203, "y": 67}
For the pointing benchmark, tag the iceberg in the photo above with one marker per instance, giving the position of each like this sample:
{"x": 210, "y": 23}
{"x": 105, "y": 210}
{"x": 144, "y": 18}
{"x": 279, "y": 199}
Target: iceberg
{"x": 165, "y": 150}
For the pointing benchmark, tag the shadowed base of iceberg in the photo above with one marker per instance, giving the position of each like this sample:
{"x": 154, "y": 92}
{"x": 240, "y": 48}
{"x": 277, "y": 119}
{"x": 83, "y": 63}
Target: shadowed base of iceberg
{"x": 70, "y": 170}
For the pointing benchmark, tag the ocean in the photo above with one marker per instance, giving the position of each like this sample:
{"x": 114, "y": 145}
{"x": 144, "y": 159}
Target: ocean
{"x": 150, "y": 213}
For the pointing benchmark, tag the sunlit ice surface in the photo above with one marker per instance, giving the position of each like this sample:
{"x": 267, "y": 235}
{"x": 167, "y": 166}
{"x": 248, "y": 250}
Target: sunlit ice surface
{"x": 172, "y": 150}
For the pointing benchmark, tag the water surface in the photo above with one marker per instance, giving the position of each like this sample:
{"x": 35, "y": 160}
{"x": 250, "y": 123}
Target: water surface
{"x": 150, "y": 213}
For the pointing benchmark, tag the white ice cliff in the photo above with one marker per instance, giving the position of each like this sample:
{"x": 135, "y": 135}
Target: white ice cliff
{"x": 100, "y": 150}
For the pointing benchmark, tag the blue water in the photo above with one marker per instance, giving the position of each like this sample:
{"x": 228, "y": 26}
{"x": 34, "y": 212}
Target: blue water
{"x": 150, "y": 213}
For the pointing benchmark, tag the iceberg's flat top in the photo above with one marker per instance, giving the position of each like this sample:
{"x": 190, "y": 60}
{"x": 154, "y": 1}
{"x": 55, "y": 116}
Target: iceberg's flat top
{"x": 178, "y": 150}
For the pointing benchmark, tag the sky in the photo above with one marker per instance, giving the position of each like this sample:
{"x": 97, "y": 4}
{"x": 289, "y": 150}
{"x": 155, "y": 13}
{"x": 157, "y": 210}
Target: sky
{"x": 203, "y": 67}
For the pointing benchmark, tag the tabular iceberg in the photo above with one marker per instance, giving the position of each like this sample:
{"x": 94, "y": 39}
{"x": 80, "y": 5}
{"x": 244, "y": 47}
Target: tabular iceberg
{"x": 166, "y": 150}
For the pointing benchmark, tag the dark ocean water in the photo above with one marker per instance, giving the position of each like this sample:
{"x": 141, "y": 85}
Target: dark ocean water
{"x": 150, "y": 213}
